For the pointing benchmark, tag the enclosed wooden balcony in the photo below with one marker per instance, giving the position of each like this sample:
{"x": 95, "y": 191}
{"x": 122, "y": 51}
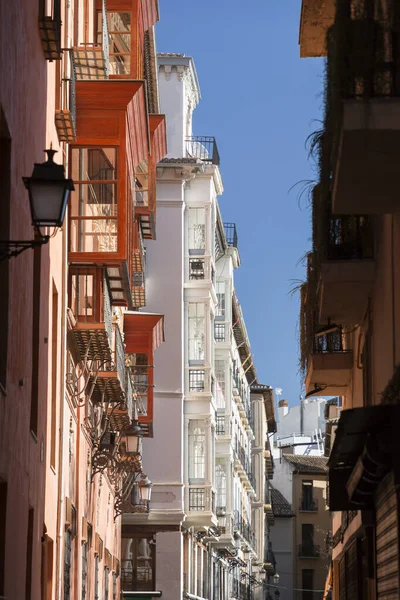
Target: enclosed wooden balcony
{"x": 143, "y": 334}
{"x": 121, "y": 415}
{"x": 315, "y": 19}
{"x": 90, "y": 315}
{"x": 112, "y": 141}
{"x": 364, "y": 95}
{"x": 126, "y": 23}
{"x": 65, "y": 114}
{"x": 347, "y": 272}
{"x": 107, "y": 379}
{"x": 329, "y": 367}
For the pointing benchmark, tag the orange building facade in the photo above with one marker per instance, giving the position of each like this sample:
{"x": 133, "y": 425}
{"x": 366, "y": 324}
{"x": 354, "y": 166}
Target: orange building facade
{"x": 76, "y": 352}
{"x": 350, "y": 309}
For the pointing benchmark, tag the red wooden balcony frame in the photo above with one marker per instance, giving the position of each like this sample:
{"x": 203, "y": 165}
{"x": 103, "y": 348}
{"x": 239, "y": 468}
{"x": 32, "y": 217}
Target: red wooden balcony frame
{"x": 143, "y": 334}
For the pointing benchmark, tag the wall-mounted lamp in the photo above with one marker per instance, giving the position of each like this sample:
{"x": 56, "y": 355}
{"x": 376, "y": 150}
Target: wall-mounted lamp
{"x": 48, "y": 191}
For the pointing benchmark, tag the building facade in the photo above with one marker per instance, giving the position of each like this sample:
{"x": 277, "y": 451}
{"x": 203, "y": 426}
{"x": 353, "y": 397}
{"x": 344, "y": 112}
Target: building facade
{"x": 76, "y": 354}
{"x": 302, "y": 521}
{"x": 207, "y": 515}
{"x": 349, "y": 303}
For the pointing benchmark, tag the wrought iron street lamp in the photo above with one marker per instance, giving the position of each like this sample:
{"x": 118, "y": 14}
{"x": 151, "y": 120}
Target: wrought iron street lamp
{"x": 48, "y": 191}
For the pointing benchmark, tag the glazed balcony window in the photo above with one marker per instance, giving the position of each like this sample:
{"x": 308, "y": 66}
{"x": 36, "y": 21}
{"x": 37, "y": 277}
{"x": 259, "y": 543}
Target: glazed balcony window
{"x": 94, "y": 204}
{"x": 125, "y": 40}
{"x": 141, "y": 196}
{"x": 120, "y": 42}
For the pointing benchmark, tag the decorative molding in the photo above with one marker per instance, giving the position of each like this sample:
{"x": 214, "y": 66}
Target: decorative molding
{"x": 161, "y": 394}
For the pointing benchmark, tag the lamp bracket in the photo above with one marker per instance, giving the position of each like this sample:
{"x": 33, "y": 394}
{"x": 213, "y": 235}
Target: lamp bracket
{"x": 11, "y": 248}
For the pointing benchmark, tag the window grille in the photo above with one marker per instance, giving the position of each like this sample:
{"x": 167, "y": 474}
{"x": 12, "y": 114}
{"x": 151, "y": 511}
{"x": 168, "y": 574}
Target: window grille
{"x": 67, "y": 565}
{"x": 114, "y": 586}
{"x": 220, "y": 425}
{"x": 84, "y": 569}
{"x": 196, "y": 381}
{"x": 106, "y": 582}
{"x": 96, "y": 578}
{"x": 197, "y": 499}
{"x": 219, "y": 332}
{"x": 196, "y": 268}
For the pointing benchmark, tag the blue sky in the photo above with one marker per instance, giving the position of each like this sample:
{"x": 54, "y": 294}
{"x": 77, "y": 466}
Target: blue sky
{"x": 260, "y": 101}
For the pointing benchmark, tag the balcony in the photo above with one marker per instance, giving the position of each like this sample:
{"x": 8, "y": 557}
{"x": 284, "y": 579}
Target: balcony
{"x": 90, "y": 315}
{"x": 329, "y": 368}
{"x": 242, "y": 527}
{"x": 50, "y": 31}
{"x": 316, "y": 18}
{"x": 144, "y": 333}
{"x": 231, "y": 235}
{"x": 121, "y": 416}
{"x": 268, "y": 510}
{"x": 364, "y": 100}
{"x": 269, "y": 562}
{"x": 308, "y": 505}
{"x": 309, "y": 550}
{"x": 200, "y": 501}
{"x": 203, "y": 148}
{"x": 243, "y": 466}
{"x": 347, "y": 272}
{"x": 107, "y": 380}
{"x": 65, "y": 114}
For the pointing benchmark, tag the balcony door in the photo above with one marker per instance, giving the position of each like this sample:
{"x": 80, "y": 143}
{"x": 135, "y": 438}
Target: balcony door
{"x": 307, "y": 495}
{"x": 307, "y": 539}
{"x": 138, "y": 563}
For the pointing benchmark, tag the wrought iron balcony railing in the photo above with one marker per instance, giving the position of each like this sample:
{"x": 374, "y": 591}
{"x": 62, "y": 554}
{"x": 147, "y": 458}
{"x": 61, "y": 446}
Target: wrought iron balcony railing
{"x": 309, "y": 550}
{"x": 330, "y": 343}
{"x": 350, "y": 237}
{"x": 204, "y": 148}
{"x": 231, "y": 234}
{"x": 202, "y": 499}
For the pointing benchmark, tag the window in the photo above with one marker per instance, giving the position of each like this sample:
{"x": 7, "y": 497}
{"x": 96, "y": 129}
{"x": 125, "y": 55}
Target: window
{"x": 106, "y": 582}
{"x": 196, "y": 331}
{"x": 138, "y": 563}
{"x": 96, "y": 577}
{"x": 220, "y": 484}
{"x": 94, "y": 206}
{"x": 307, "y": 501}
{"x": 197, "y": 451}
{"x": 220, "y": 383}
{"x": 307, "y": 584}
{"x": 197, "y": 230}
{"x": 220, "y": 289}
{"x": 307, "y": 540}
{"x": 84, "y": 569}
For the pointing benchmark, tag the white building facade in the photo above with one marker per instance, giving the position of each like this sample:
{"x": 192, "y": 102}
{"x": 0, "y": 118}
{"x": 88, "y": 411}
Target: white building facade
{"x": 207, "y": 519}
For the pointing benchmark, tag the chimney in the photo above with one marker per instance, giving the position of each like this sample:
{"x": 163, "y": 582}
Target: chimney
{"x": 283, "y": 409}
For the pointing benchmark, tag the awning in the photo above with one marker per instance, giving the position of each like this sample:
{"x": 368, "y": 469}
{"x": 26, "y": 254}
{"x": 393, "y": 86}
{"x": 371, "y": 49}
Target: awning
{"x": 363, "y": 452}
